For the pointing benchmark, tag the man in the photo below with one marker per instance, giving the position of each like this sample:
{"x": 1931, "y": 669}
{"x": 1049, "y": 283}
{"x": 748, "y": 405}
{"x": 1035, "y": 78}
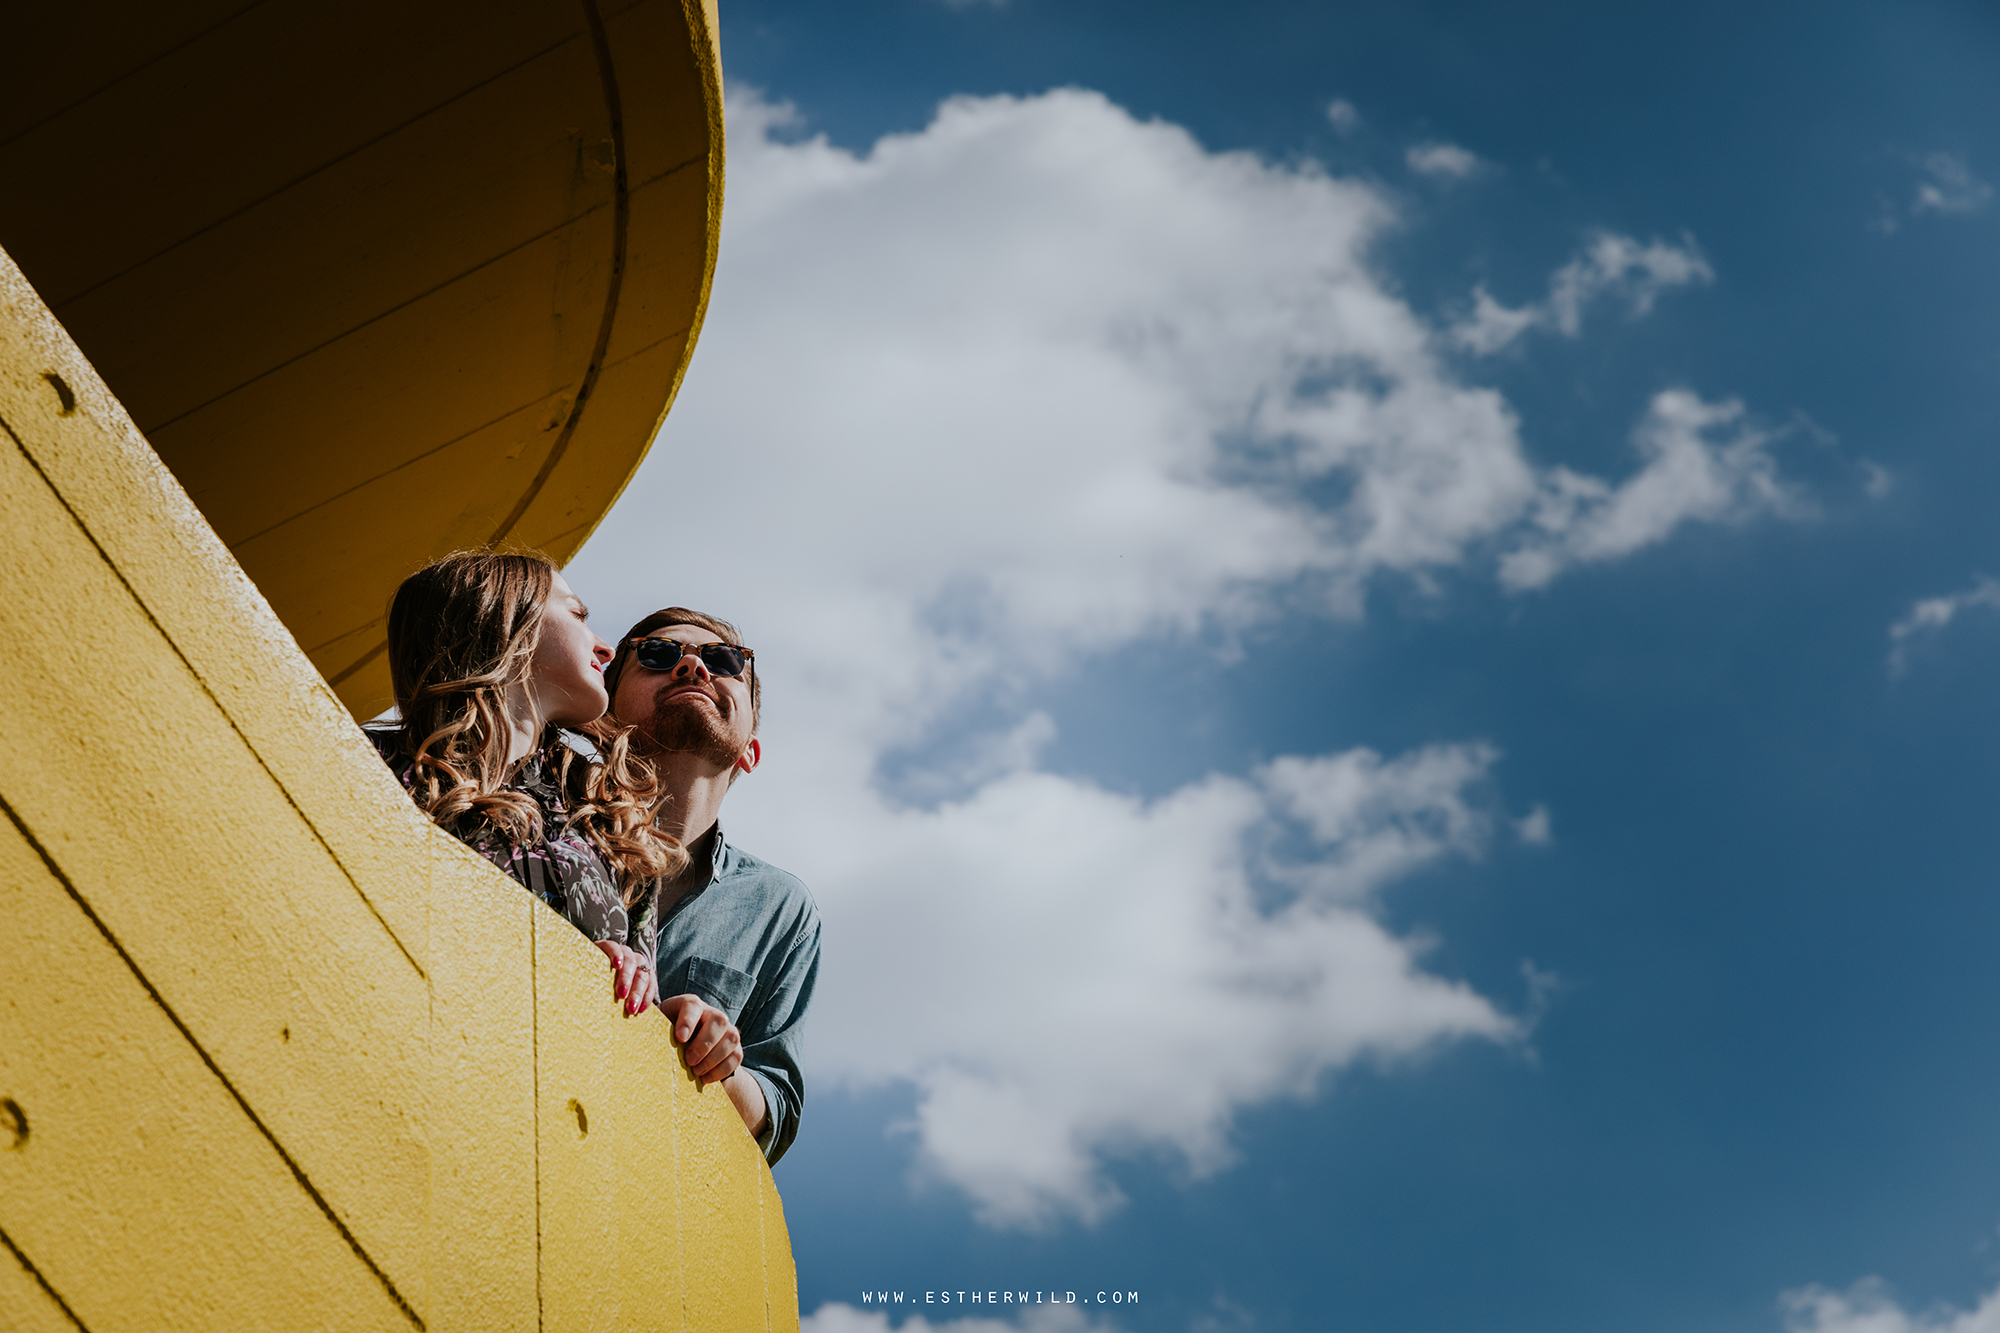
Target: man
{"x": 739, "y": 939}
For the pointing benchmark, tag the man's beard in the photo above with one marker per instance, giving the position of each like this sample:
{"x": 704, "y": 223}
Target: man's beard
{"x": 678, "y": 726}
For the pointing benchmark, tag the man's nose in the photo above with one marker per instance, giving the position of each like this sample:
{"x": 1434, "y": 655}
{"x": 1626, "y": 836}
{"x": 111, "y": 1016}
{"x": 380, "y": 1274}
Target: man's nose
{"x": 691, "y": 665}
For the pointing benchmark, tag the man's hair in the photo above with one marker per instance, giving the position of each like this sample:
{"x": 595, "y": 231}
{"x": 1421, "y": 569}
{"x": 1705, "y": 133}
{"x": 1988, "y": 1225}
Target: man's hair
{"x": 680, "y": 615}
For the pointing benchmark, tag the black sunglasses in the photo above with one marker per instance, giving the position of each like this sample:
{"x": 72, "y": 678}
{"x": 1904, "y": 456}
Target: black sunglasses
{"x": 721, "y": 659}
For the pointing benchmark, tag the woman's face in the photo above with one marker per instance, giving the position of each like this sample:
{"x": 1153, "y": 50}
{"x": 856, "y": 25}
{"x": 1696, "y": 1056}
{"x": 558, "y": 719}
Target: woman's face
{"x": 567, "y": 675}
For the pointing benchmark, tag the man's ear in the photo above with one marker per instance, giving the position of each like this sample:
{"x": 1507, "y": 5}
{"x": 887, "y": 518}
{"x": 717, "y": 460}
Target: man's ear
{"x": 747, "y": 761}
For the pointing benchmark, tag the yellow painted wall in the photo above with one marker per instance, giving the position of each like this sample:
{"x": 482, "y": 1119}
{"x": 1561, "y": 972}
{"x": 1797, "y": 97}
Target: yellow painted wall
{"x": 276, "y": 1053}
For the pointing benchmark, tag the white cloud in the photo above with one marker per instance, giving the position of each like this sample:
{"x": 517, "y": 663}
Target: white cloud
{"x": 1948, "y": 189}
{"x": 1446, "y": 161}
{"x": 1608, "y": 266}
{"x": 1876, "y": 480}
{"x": 1379, "y": 820}
{"x": 971, "y": 410}
{"x": 1341, "y": 114}
{"x": 1534, "y": 827}
{"x": 1866, "y": 1307}
{"x": 1951, "y": 187}
{"x": 1103, "y": 975}
{"x": 1932, "y": 614}
{"x": 1492, "y": 326}
{"x": 1686, "y": 477}
{"x": 1041, "y": 1317}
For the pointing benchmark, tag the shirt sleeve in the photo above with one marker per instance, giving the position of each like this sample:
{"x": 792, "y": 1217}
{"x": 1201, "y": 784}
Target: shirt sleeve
{"x": 773, "y": 1032}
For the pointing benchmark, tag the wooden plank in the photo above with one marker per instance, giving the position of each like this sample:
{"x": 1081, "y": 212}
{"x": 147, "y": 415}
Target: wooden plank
{"x": 666, "y": 266}
{"x": 423, "y": 374}
{"x": 61, "y": 70}
{"x": 569, "y": 506}
{"x": 327, "y": 535}
{"x": 392, "y": 516}
{"x": 476, "y": 179}
{"x": 236, "y": 116}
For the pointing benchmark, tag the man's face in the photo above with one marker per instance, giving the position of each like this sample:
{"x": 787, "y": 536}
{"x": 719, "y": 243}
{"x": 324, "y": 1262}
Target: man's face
{"x": 687, "y": 709}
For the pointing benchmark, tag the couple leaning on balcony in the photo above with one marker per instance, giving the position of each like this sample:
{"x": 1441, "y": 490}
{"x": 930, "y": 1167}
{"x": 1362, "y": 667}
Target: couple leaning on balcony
{"x": 594, "y": 776}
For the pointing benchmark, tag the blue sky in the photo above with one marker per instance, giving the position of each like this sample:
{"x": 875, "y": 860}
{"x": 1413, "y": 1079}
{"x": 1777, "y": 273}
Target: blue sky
{"x": 1334, "y": 810}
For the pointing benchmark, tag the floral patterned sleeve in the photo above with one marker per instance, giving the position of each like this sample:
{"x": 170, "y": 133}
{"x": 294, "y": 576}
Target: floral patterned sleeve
{"x": 562, "y": 869}
{"x": 644, "y": 914}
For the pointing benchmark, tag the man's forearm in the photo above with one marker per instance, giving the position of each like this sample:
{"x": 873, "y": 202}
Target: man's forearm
{"x": 748, "y": 1094}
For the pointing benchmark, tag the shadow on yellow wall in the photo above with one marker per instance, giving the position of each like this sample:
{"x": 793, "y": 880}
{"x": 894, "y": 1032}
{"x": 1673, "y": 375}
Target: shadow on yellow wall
{"x": 376, "y": 281}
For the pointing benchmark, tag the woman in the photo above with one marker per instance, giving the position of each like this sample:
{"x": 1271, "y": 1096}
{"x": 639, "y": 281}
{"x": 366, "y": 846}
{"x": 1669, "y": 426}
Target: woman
{"x": 491, "y": 658}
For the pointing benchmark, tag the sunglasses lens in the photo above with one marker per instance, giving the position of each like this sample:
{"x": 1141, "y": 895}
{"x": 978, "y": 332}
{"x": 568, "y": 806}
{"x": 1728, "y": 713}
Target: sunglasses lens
{"x": 721, "y": 659}
{"x": 657, "y": 654}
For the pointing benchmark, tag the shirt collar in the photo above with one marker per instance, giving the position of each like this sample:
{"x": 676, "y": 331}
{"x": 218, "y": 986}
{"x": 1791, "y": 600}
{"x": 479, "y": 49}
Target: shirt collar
{"x": 720, "y": 855}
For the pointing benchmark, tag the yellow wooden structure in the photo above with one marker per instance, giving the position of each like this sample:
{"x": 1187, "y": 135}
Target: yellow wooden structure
{"x": 300, "y": 295}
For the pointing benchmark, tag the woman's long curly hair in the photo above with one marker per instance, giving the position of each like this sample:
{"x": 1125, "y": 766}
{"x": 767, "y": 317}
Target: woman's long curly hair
{"x": 462, "y": 631}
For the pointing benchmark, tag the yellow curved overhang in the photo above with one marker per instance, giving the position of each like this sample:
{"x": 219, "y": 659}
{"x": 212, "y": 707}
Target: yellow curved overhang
{"x": 379, "y": 279}
{"x": 275, "y": 1052}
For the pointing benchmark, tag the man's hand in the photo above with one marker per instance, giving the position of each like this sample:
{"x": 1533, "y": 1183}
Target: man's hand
{"x": 714, "y": 1051}
{"x": 631, "y": 979}
{"x": 710, "y": 1043}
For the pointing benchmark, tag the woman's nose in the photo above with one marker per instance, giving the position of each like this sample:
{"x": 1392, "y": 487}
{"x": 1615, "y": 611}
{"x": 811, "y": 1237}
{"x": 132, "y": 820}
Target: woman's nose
{"x": 600, "y": 651}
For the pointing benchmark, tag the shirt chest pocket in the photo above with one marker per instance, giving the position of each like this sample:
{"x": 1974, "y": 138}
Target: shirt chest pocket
{"x": 720, "y": 985}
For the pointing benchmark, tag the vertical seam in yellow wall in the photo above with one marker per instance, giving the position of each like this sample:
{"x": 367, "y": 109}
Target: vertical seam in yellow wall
{"x": 535, "y": 1030}
{"x": 227, "y": 716}
{"x": 621, "y": 225}
{"x": 764, "y": 1252}
{"x": 298, "y": 1172}
{"x": 40, "y": 1281}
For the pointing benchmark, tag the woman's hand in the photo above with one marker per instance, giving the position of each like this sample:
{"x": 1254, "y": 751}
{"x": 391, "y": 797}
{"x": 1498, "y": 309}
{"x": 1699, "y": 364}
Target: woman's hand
{"x": 710, "y": 1043}
{"x": 632, "y": 978}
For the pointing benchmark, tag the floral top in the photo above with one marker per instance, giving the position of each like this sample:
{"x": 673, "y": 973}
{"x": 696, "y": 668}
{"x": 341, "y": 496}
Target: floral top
{"x": 563, "y": 869}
